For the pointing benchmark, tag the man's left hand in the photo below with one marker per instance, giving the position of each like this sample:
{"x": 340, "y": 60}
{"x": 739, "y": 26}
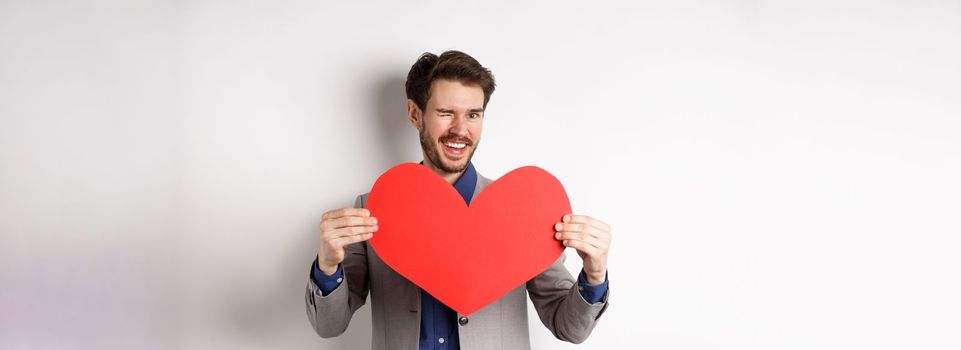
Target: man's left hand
{"x": 591, "y": 238}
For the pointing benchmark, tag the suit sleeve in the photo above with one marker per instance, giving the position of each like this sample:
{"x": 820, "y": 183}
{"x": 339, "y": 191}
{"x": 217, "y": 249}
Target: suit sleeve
{"x": 331, "y": 313}
{"x": 560, "y": 305}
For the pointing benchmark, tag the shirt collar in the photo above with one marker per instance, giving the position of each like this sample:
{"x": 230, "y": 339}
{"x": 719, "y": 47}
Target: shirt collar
{"x": 466, "y": 183}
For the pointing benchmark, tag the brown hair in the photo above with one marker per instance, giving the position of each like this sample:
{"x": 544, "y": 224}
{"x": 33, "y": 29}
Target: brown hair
{"x": 452, "y": 65}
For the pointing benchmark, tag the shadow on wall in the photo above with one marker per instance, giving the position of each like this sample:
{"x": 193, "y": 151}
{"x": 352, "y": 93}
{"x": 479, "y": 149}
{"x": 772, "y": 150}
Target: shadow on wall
{"x": 398, "y": 137}
{"x": 276, "y": 314}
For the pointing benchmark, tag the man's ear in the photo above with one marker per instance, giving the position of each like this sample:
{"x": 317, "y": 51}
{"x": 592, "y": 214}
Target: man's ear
{"x": 414, "y": 114}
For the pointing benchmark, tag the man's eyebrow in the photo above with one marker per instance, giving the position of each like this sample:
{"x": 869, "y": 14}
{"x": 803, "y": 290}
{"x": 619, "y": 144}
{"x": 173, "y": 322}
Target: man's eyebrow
{"x": 447, "y": 110}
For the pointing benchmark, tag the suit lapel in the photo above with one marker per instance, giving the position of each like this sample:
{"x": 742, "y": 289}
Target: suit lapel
{"x": 481, "y": 183}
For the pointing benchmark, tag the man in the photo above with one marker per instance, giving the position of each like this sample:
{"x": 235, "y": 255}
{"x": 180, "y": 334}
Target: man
{"x": 446, "y": 98}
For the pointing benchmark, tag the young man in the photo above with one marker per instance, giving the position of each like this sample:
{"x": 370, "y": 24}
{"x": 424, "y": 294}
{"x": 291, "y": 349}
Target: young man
{"x": 446, "y": 98}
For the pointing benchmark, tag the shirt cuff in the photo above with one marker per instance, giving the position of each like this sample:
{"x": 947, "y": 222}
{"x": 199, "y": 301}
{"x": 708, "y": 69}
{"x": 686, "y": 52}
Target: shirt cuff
{"x": 593, "y": 294}
{"x": 327, "y": 283}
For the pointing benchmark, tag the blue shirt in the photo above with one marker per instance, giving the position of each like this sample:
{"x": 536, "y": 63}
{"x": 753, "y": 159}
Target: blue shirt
{"x": 438, "y": 323}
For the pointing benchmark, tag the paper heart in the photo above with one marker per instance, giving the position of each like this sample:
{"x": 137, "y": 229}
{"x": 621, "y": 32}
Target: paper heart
{"x": 467, "y": 256}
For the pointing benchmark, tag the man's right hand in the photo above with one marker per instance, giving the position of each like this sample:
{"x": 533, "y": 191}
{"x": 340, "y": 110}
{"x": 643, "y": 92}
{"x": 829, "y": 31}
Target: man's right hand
{"x": 338, "y": 228}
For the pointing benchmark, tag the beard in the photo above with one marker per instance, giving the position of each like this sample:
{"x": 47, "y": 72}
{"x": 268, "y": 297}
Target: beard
{"x": 433, "y": 153}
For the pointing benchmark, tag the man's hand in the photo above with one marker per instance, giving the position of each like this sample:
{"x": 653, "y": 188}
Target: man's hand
{"x": 338, "y": 228}
{"x": 591, "y": 238}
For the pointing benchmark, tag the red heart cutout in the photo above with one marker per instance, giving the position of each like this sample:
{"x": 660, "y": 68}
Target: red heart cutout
{"x": 467, "y": 256}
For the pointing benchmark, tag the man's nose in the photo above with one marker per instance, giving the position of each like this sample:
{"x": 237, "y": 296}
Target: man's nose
{"x": 459, "y": 126}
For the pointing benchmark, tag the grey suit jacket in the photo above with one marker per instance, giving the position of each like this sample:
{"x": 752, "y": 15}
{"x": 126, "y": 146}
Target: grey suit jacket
{"x": 395, "y": 304}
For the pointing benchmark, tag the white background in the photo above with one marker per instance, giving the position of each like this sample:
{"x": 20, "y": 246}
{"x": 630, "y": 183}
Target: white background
{"x": 778, "y": 174}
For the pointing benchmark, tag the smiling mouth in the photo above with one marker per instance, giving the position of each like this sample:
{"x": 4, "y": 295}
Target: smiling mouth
{"x": 455, "y": 149}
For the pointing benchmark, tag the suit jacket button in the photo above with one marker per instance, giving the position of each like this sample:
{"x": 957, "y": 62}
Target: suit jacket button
{"x": 463, "y": 321}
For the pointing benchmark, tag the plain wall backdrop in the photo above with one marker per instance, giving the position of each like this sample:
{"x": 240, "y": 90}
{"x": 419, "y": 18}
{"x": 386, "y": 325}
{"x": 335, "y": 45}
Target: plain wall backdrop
{"x": 778, "y": 174}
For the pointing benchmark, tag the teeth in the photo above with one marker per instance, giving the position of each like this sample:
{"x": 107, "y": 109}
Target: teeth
{"x": 456, "y": 145}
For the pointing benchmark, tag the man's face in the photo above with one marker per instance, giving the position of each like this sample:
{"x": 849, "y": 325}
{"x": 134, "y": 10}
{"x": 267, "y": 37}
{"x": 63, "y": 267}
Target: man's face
{"x": 450, "y": 127}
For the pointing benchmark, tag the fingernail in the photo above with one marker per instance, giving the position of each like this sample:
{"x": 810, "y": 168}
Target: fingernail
{"x": 366, "y": 212}
{"x": 567, "y": 218}
{"x": 373, "y": 220}
{"x": 557, "y": 235}
{"x": 558, "y": 226}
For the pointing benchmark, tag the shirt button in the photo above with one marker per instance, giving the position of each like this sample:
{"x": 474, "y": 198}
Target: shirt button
{"x": 440, "y": 340}
{"x": 340, "y": 280}
{"x": 463, "y": 321}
